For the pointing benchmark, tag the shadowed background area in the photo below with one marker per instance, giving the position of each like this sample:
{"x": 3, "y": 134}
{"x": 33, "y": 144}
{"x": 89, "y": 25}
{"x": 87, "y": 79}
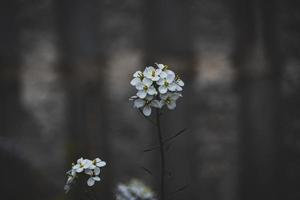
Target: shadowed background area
{"x": 65, "y": 68}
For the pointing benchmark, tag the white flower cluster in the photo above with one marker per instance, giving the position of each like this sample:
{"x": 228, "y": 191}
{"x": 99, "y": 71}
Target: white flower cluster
{"x": 156, "y": 86}
{"x": 87, "y": 167}
{"x": 134, "y": 190}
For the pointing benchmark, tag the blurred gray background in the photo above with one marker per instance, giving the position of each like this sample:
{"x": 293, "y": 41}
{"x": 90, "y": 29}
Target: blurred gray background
{"x": 65, "y": 68}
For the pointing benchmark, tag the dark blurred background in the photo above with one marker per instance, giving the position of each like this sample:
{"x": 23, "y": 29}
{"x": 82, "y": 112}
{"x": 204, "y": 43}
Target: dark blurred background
{"x": 65, "y": 68}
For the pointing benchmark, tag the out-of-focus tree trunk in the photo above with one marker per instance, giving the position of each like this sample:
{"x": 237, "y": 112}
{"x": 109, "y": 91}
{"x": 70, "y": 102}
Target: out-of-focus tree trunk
{"x": 258, "y": 63}
{"x": 10, "y": 109}
{"x": 169, "y": 41}
{"x": 83, "y": 67}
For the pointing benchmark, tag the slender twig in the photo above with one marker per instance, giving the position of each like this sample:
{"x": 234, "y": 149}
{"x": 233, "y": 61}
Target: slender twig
{"x": 162, "y": 156}
{"x": 174, "y": 136}
{"x": 169, "y": 139}
{"x": 147, "y": 170}
{"x": 179, "y": 190}
{"x": 151, "y": 149}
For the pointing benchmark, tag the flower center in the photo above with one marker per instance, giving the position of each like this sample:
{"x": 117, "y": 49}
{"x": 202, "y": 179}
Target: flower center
{"x": 153, "y": 74}
{"x": 141, "y": 76}
{"x": 145, "y": 87}
{"x": 166, "y": 84}
{"x": 168, "y": 100}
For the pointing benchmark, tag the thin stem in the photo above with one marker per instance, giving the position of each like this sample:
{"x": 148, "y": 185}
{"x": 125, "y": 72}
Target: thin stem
{"x": 162, "y": 156}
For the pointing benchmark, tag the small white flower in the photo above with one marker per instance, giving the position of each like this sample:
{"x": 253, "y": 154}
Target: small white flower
{"x": 71, "y": 176}
{"x": 88, "y": 167}
{"x": 138, "y": 77}
{"x": 146, "y": 104}
{"x": 152, "y": 73}
{"x": 165, "y": 72}
{"x": 99, "y": 163}
{"x": 81, "y": 165}
{"x": 166, "y": 85}
{"x": 179, "y": 84}
{"x": 169, "y": 99}
{"x": 134, "y": 190}
{"x": 67, "y": 188}
{"x": 145, "y": 87}
{"x": 91, "y": 180}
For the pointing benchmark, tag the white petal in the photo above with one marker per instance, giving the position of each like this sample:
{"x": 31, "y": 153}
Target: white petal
{"x": 88, "y": 172}
{"x": 162, "y": 103}
{"x": 67, "y": 188}
{"x": 180, "y": 82}
{"x": 90, "y": 181}
{"x": 161, "y": 81}
{"x": 163, "y": 74}
{"x": 147, "y": 82}
{"x": 172, "y": 87}
{"x": 135, "y": 81}
{"x": 137, "y": 73}
{"x": 139, "y": 86}
{"x": 160, "y": 66}
{"x": 149, "y": 97}
{"x": 97, "y": 171}
{"x": 133, "y": 98}
{"x": 96, "y": 178}
{"x": 156, "y": 78}
{"x": 170, "y": 78}
{"x": 152, "y": 90}
{"x": 147, "y": 110}
{"x": 76, "y": 166}
{"x": 141, "y": 93}
{"x": 156, "y": 104}
{"x": 178, "y": 88}
{"x": 162, "y": 89}
{"x": 158, "y": 71}
{"x": 88, "y": 164}
{"x": 170, "y": 72}
{"x": 175, "y": 96}
{"x": 172, "y": 105}
{"x": 101, "y": 164}
{"x": 80, "y": 160}
{"x": 79, "y": 170}
{"x": 164, "y": 96}
{"x": 138, "y": 103}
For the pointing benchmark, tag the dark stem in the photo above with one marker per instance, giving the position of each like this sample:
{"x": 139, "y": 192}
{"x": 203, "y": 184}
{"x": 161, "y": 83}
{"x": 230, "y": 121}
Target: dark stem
{"x": 162, "y": 156}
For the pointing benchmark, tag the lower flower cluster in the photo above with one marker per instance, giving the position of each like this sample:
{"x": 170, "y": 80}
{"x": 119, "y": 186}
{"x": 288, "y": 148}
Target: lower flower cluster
{"x": 90, "y": 168}
{"x": 134, "y": 190}
{"x": 156, "y": 86}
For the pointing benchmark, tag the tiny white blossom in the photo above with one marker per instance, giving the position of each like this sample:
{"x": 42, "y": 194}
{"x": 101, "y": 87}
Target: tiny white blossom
{"x": 179, "y": 84}
{"x": 166, "y": 85}
{"x": 152, "y": 73}
{"x": 145, "y": 87}
{"x": 138, "y": 77}
{"x": 165, "y": 72}
{"x": 82, "y": 164}
{"x": 91, "y": 180}
{"x": 134, "y": 190}
{"x": 169, "y": 99}
{"x": 99, "y": 163}
{"x": 146, "y": 104}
